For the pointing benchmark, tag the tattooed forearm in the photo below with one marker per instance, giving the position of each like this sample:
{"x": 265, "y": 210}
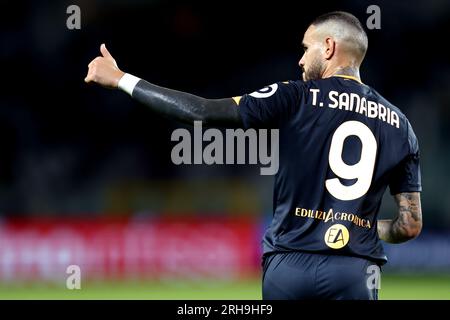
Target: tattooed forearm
{"x": 408, "y": 224}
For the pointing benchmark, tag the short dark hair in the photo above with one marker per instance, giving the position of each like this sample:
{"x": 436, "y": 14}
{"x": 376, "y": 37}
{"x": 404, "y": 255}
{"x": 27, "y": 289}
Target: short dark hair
{"x": 348, "y": 20}
{"x": 340, "y": 16}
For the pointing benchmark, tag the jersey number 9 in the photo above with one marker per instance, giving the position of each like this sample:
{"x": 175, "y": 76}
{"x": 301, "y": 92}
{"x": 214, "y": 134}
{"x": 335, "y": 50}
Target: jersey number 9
{"x": 362, "y": 170}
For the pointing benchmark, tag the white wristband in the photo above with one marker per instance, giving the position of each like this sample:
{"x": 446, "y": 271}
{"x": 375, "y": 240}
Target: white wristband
{"x": 128, "y": 82}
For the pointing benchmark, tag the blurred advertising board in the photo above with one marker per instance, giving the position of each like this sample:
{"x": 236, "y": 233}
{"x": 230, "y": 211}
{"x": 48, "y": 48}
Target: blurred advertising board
{"x": 154, "y": 248}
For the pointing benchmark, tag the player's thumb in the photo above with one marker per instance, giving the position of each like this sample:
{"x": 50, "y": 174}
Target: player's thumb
{"x": 105, "y": 52}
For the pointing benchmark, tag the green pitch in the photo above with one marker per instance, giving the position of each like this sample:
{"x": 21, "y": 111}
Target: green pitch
{"x": 392, "y": 287}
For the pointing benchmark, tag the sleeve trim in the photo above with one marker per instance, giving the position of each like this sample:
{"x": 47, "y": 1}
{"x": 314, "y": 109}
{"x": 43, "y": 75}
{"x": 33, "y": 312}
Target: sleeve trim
{"x": 128, "y": 82}
{"x": 237, "y": 99}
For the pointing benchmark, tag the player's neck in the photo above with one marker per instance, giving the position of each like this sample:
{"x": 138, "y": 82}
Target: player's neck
{"x": 349, "y": 71}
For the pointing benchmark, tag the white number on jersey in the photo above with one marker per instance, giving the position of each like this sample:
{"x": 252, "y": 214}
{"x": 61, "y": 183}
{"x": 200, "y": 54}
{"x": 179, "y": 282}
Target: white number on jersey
{"x": 363, "y": 170}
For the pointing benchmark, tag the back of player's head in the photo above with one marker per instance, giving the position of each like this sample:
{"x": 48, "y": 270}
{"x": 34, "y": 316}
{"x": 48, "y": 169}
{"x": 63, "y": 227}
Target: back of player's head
{"x": 346, "y": 29}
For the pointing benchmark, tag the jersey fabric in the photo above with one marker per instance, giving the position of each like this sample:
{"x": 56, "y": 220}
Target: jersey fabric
{"x": 341, "y": 144}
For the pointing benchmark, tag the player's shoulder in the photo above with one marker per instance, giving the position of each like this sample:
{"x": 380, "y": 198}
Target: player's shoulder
{"x": 291, "y": 88}
{"x": 299, "y": 88}
{"x": 305, "y": 85}
{"x": 293, "y": 84}
{"x": 324, "y": 85}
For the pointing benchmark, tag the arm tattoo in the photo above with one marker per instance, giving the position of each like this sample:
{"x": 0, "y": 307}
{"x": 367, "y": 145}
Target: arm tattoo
{"x": 407, "y": 224}
{"x": 409, "y": 206}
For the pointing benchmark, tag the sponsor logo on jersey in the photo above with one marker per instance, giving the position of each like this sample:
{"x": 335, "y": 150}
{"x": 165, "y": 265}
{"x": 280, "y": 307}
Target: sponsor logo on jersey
{"x": 332, "y": 216}
{"x": 337, "y": 236}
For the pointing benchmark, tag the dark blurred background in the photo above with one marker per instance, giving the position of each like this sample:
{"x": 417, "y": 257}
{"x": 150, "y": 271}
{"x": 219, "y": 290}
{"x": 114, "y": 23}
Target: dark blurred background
{"x": 70, "y": 150}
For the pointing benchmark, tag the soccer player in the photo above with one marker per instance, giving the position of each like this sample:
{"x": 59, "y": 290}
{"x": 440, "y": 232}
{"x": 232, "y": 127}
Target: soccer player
{"x": 341, "y": 145}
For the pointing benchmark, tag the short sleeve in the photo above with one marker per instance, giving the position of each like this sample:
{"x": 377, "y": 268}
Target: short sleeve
{"x": 269, "y": 106}
{"x": 407, "y": 175}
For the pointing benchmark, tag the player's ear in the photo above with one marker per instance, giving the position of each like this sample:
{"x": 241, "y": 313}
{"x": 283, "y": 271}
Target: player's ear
{"x": 330, "y": 47}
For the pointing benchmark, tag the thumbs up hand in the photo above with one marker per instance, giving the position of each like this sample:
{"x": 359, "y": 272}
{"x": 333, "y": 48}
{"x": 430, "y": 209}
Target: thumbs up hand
{"x": 103, "y": 70}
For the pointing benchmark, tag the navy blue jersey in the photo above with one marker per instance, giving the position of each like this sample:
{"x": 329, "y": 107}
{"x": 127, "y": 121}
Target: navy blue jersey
{"x": 341, "y": 144}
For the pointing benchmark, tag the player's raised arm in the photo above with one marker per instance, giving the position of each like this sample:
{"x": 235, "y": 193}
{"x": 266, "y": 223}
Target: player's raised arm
{"x": 177, "y": 105}
{"x": 408, "y": 223}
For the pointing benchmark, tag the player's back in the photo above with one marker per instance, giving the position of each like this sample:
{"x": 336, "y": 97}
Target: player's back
{"x": 341, "y": 145}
